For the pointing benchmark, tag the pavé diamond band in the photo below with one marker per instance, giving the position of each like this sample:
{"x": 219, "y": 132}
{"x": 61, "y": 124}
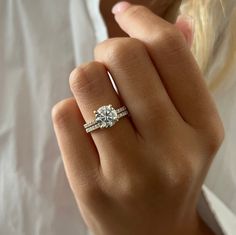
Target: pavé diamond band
{"x": 106, "y": 116}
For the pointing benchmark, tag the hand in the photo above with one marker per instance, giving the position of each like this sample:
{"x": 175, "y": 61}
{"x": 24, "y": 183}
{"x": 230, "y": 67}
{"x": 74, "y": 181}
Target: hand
{"x": 144, "y": 174}
{"x": 167, "y": 9}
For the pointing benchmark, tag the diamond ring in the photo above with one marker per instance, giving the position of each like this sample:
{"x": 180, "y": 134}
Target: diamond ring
{"x": 106, "y": 116}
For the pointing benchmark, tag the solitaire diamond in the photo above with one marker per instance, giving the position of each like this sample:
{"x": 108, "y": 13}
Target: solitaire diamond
{"x": 106, "y": 116}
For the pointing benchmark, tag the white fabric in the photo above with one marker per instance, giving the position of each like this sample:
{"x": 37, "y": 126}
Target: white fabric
{"x": 40, "y": 43}
{"x": 215, "y": 213}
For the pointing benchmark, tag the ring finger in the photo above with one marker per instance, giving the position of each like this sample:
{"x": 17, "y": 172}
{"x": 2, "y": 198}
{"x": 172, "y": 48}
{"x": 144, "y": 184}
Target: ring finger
{"x": 92, "y": 88}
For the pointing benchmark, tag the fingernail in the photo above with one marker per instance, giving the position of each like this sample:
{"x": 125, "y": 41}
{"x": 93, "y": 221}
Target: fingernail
{"x": 189, "y": 19}
{"x": 120, "y": 7}
{"x": 189, "y": 28}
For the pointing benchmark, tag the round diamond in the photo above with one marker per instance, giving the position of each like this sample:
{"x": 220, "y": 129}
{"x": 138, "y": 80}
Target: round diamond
{"x": 106, "y": 116}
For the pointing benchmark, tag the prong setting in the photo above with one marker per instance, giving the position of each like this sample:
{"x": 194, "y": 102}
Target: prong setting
{"x": 105, "y": 116}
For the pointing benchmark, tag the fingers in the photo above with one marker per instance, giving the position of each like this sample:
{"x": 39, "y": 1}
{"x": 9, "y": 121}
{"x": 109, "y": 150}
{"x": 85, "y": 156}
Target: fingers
{"x": 138, "y": 84}
{"x": 92, "y": 89}
{"x": 186, "y": 25}
{"x": 78, "y": 151}
{"x": 174, "y": 62}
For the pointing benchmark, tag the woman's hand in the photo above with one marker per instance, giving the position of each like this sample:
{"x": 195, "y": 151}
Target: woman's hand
{"x": 144, "y": 174}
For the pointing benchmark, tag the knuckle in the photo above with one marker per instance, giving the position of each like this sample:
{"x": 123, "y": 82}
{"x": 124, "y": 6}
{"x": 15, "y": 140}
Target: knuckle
{"x": 128, "y": 188}
{"x": 134, "y": 185}
{"x": 169, "y": 39}
{"x": 176, "y": 180}
{"x": 179, "y": 178}
{"x": 177, "y": 174}
{"x": 215, "y": 137}
{"x": 116, "y": 51}
{"x": 61, "y": 112}
{"x": 91, "y": 194}
{"x": 82, "y": 79}
{"x": 88, "y": 186}
{"x": 78, "y": 80}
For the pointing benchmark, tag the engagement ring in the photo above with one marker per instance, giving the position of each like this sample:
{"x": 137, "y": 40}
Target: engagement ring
{"x": 106, "y": 116}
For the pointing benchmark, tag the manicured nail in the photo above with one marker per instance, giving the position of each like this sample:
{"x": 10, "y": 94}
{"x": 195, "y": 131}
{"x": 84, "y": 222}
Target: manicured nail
{"x": 189, "y": 19}
{"x": 188, "y": 25}
{"x": 120, "y": 7}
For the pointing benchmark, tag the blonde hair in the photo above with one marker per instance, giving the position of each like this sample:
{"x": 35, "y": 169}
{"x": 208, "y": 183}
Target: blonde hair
{"x": 214, "y": 43}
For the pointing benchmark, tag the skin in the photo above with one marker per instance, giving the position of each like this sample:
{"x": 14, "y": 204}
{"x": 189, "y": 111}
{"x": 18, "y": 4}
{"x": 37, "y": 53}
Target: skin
{"x": 167, "y": 9}
{"x": 144, "y": 174}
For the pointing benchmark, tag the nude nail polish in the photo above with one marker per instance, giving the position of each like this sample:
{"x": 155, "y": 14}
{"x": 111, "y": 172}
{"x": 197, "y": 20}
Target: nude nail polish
{"x": 120, "y": 7}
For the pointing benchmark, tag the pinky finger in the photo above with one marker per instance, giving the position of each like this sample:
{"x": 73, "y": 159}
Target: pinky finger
{"x": 79, "y": 153}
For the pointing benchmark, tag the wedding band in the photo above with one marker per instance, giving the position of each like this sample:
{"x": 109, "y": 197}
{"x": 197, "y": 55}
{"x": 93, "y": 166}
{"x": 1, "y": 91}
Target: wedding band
{"x": 106, "y": 116}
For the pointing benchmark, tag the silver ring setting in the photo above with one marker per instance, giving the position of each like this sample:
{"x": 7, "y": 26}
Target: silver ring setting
{"x": 106, "y": 116}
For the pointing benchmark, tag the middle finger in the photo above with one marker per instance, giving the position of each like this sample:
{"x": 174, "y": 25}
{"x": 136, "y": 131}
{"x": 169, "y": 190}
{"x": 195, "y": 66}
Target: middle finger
{"x": 138, "y": 84}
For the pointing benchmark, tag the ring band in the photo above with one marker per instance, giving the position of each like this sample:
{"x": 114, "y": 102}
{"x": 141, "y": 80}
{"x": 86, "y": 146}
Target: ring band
{"x": 106, "y": 116}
